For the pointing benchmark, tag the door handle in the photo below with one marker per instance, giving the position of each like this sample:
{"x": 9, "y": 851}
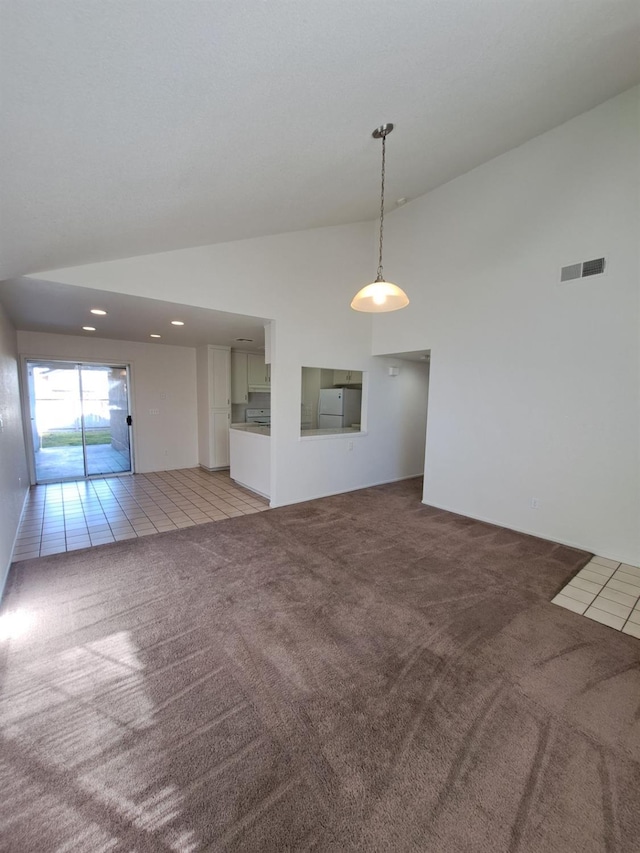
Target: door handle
{"x": 129, "y": 420}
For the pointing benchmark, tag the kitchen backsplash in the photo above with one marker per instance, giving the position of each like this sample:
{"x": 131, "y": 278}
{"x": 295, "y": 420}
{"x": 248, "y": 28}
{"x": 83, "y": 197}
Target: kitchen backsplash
{"x": 257, "y": 400}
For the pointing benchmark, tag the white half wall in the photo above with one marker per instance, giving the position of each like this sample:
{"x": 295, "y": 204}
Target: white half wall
{"x": 14, "y": 477}
{"x": 162, "y": 378}
{"x": 534, "y": 384}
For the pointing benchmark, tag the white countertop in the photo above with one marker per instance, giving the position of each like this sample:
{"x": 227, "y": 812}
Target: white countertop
{"x": 305, "y": 433}
{"x": 255, "y": 429}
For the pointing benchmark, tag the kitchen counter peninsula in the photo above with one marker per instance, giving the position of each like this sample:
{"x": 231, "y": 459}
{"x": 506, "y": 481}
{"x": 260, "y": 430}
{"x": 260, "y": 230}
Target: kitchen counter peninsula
{"x": 250, "y": 457}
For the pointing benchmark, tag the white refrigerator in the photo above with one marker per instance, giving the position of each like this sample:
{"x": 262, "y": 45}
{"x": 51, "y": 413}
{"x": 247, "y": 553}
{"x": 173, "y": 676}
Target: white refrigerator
{"x": 339, "y": 408}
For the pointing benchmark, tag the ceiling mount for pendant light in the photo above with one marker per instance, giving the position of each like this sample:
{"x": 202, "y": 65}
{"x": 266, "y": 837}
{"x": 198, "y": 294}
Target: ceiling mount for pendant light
{"x": 381, "y": 295}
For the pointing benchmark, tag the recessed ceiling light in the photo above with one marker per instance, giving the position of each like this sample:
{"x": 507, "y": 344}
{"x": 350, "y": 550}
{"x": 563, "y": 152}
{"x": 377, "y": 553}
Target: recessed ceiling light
{"x": 155, "y": 336}
{"x": 177, "y": 323}
{"x": 89, "y": 328}
{"x": 98, "y": 311}
{"x": 245, "y": 340}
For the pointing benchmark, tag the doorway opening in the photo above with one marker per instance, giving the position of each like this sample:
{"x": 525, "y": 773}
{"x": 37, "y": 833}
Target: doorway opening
{"x": 80, "y": 419}
{"x": 411, "y": 372}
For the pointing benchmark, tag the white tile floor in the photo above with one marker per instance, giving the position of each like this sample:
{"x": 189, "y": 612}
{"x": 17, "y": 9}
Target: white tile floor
{"x": 606, "y": 591}
{"x": 79, "y": 514}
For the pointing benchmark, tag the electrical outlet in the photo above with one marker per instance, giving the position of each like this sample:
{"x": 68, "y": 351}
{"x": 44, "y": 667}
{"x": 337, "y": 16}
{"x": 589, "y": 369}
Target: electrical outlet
{"x": 350, "y": 446}
{"x": 154, "y": 411}
{"x": 535, "y": 503}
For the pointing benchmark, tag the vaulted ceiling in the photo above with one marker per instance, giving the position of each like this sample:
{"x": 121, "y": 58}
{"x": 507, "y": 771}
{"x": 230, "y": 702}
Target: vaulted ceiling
{"x": 139, "y": 126}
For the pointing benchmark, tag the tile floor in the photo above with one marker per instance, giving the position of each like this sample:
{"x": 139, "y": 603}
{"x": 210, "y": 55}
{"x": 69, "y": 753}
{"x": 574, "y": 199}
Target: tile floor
{"x": 606, "y": 591}
{"x": 79, "y": 514}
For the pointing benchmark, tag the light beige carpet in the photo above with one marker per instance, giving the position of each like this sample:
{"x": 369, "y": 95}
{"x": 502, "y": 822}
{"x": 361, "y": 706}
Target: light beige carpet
{"x": 355, "y": 673}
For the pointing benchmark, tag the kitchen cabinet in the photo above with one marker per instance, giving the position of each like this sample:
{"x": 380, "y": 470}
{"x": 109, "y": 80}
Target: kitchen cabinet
{"x": 219, "y": 366}
{"x": 259, "y": 373}
{"x": 248, "y": 373}
{"x": 213, "y": 376}
{"x": 219, "y": 423}
{"x": 239, "y": 378}
{"x": 347, "y": 377}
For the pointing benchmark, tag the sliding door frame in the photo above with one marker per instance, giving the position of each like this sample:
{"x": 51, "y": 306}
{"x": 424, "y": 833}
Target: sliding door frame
{"x": 25, "y": 359}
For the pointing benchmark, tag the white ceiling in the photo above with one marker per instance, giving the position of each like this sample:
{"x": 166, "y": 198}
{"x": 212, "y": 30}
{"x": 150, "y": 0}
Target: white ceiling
{"x": 63, "y": 309}
{"x": 138, "y": 126}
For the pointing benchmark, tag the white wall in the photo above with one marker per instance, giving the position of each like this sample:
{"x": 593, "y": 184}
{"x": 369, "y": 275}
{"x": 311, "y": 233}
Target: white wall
{"x": 534, "y": 384}
{"x": 305, "y": 282}
{"x": 412, "y": 389}
{"x": 394, "y": 417}
{"x": 14, "y": 478}
{"x": 162, "y": 377}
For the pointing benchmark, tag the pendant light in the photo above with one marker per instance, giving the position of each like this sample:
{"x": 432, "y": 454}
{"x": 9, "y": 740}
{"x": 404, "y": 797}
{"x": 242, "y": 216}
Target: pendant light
{"x": 381, "y": 295}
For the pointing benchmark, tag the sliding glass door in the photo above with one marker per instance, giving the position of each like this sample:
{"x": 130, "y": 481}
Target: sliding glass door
{"x": 80, "y": 419}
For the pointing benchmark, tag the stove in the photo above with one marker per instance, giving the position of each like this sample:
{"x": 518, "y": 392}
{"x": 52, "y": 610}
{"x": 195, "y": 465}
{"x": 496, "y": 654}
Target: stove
{"x": 260, "y": 417}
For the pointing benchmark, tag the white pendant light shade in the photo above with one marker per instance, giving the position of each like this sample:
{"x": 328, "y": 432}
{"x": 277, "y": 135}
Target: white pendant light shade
{"x": 380, "y": 296}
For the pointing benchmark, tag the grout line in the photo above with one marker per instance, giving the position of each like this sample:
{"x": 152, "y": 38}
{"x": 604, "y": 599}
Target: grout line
{"x": 633, "y": 607}
{"x": 593, "y": 603}
{"x": 175, "y": 499}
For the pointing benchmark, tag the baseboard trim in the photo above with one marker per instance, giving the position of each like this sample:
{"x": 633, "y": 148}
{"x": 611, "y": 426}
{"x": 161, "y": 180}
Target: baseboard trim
{"x": 5, "y": 575}
{"x": 251, "y": 489}
{"x": 526, "y": 532}
{"x": 350, "y": 489}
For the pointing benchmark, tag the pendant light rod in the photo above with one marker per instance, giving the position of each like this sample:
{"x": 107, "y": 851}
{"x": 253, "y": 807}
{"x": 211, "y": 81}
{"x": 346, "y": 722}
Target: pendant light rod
{"x": 381, "y": 295}
{"x": 381, "y": 133}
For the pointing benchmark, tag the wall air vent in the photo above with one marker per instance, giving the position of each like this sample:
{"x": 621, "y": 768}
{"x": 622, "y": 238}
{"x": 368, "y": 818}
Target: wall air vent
{"x": 570, "y": 272}
{"x": 594, "y": 267}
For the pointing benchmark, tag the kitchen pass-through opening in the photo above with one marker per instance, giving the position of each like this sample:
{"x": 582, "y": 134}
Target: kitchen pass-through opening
{"x": 80, "y": 419}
